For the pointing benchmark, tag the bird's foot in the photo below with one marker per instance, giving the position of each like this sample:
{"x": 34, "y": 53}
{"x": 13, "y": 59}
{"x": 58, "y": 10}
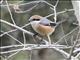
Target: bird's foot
{"x": 35, "y": 34}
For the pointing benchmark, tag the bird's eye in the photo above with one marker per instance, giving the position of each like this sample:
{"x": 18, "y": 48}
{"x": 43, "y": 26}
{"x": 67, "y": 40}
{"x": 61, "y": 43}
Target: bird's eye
{"x": 36, "y": 19}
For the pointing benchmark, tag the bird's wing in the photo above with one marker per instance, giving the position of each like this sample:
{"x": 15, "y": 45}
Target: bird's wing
{"x": 47, "y": 22}
{"x": 44, "y": 21}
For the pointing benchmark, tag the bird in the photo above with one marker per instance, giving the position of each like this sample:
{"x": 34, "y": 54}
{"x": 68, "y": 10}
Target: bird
{"x": 42, "y": 26}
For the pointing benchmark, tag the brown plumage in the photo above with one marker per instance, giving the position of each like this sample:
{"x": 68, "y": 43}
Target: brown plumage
{"x": 45, "y": 30}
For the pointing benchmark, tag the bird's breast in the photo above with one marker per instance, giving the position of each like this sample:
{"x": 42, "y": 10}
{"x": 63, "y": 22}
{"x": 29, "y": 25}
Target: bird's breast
{"x": 35, "y": 25}
{"x": 45, "y": 30}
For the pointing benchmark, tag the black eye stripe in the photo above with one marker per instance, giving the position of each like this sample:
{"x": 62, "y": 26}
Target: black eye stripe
{"x": 36, "y": 19}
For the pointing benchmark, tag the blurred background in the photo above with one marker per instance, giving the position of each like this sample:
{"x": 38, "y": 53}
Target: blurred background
{"x": 21, "y": 16}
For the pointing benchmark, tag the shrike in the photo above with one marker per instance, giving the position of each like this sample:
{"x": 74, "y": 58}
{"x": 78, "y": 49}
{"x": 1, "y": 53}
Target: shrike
{"x": 42, "y": 26}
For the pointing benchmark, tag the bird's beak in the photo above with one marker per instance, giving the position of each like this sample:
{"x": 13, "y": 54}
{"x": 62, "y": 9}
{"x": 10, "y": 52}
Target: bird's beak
{"x": 29, "y": 20}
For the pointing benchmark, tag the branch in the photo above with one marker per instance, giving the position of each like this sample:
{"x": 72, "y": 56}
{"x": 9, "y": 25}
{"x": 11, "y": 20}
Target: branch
{"x": 24, "y": 38}
{"x": 12, "y": 55}
{"x": 1, "y": 1}
{"x": 10, "y": 13}
{"x": 76, "y": 6}
{"x": 32, "y": 2}
{"x": 77, "y": 50}
{"x": 54, "y": 9}
{"x": 14, "y": 38}
{"x": 56, "y": 3}
{"x": 59, "y": 12}
{"x": 15, "y": 26}
{"x": 16, "y": 7}
{"x": 34, "y": 46}
{"x": 63, "y": 35}
{"x": 78, "y": 55}
{"x": 38, "y": 47}
{"x": 13, "y": 30}
{"x": 31, "y": 55}
{"x": 74, "y": 45}
{"x": 30, "y": 45}
{"x": 2, "y": 58}
{"x": 66, "y": 35}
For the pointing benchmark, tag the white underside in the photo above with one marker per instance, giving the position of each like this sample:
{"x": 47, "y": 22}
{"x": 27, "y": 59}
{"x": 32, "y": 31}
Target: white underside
{"x": 35, "y": 25}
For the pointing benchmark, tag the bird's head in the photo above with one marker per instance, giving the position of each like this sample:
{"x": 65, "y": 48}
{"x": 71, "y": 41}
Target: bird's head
{"x": 35, "y": 18}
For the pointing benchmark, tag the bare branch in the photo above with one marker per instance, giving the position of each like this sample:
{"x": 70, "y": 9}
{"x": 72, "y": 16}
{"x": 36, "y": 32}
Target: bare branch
{"x": 48, "y": 4}
{"x": 14, "y": 38}
{"x": 76, "y": 6}
{"x": 74, "y": 45}
{"x": 78, "y": 55}
{"x": 59, "y": 13}
{"x": 19, "y": 11}
{"x": 17, "y": 27}
{"x": 13, "y": 30}
{"x": 2, "y": 57}
{"x": 1, "y": 1}
{"x": 77, "y": 50}
{"x": 67, "y": 35}
{"x": 10, "y": 13}
{"x": 24, "y": 38}
{"x": 12, "y": 54}
{"x": 30, "y": 45}
{"x": 31, "y": 54}
{"x": 63, "y": 35}
{"x": 38, "y": 47}
{"x": 56, "y": 3}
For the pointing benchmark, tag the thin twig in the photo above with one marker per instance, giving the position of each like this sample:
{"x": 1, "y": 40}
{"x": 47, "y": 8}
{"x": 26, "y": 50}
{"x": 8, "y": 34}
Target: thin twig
{"x": 1, "y": 1}
{"x": 77, "y": 50}
{"x": 56, "y": 3}
{"x": 26, "y": 10}
{"x": 12, "y": 54}
{"x": 59, "y": 13}
{"x": 55, "y": 15}
{"x": 72, "y": 42}
{"x": 54, "y": 9}
{"x": 14, "y": 38}
{"x": 78, "y": 55}
{"x": 48, "y": 4}
{"x": 10, "y": 13}
{"x": 74, "y": 45}
{"x": 22, "y": 3}
{"x": 24, "y": 39}
{"x": 76, "y": 6}
{"x": 2, "y": 58}
{"x": 31, "y": 54}
{"x": 66, "y": 35}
